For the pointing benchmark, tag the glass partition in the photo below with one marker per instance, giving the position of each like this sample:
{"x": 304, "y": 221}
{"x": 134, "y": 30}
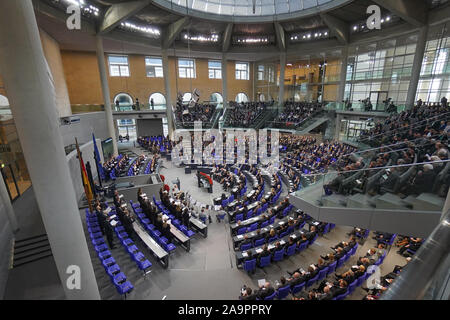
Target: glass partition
{"x": 417, "y": 186}
{"x": 13, "y": 167}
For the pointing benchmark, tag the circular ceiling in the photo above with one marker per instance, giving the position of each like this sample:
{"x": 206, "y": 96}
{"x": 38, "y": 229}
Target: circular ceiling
{"x": 250, "y": 10}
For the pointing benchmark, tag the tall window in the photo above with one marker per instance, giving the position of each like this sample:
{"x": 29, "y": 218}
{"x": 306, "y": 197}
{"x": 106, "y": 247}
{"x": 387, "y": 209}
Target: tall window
{"x": 154, "y": 67}
{"x": 215, "y": 69}
{"x": 118, "y": 66}
{"x": 186, "y": 68}
{"x": 260, "y": 72}
{"x": 242, "y": 71}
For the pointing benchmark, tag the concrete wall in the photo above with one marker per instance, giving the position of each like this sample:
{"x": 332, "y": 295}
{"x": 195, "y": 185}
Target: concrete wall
{"x": 149, "y": 127}
{"x": 6, "y": 240}
{"x": 87, "y": 151}
{"x": 149, "y": 189}
{"x": 92, "y": 122}
{"x": 83, "y": 79}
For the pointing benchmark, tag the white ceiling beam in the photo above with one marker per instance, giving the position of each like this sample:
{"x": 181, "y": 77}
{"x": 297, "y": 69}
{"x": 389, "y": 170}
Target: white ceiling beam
{"x": 337, "y": 27}
{"x": 414, "y": 12}
{"x": 120, "y": 12}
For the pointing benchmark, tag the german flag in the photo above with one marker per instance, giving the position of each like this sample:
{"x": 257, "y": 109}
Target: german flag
{"x": 84, "y": 178}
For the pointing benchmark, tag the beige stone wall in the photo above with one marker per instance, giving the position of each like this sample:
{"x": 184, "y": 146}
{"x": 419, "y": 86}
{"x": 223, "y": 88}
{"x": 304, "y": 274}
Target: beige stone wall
{"x": 83, "y": 80}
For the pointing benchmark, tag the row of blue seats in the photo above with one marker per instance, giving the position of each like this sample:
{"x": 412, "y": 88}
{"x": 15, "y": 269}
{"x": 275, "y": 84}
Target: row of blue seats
{"x": 250, "y": 265}
{"x": 130, "y": 171}
{"x": 358, "y": 282}
{"x": 117, "y": 277}
{"x": 151, "y": 229}
{"x": 250, "y": 214}
{"x": 149, "y": 165}
{"x": 262, "y": 241}
{"x": 254, "y": 226}
{"x": 283, "y": 292}
{"x": 113, "y": 173}
{"x": 137, "y": 256}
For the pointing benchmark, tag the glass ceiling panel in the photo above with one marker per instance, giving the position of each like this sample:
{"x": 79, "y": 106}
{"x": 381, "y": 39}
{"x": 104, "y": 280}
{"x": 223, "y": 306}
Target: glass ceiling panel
{"x": 248, "y": 7}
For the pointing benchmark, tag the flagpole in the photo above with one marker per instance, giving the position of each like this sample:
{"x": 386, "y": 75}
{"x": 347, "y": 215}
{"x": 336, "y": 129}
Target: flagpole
{"x": 97, "y": 163}
{"x": 84, "y": 178}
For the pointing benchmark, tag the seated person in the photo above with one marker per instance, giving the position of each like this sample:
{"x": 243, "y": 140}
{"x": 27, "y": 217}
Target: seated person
{"x": 247, "y": 294}
{"x": 265, "y": 291}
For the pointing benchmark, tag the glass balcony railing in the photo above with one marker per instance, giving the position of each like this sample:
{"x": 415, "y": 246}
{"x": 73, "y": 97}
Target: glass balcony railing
{"x": 361, "y": 107}
{"x": 418, "y": 186}
{"x": 142, "y": 107}
{"x": 427, "y": 275}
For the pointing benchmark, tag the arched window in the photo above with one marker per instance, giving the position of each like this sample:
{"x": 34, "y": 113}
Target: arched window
{"x": 296, "y": 97}
{"x": 125, "y": 101}
{"x": 3, "y": 101}
{"x": 187, "y": 97}
{"x": 262, "y": 97}
{"x": 241, "y": 97}
{"x": 216, "y": 98}
{"x": 159, "y": 101}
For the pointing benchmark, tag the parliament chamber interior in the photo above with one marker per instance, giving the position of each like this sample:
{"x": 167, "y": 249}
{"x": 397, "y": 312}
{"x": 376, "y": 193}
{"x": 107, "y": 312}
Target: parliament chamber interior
{"x": 225, "y": 150}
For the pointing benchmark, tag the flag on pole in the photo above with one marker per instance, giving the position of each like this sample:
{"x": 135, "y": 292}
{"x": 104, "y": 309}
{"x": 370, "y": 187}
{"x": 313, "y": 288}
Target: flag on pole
{"x": 98, "y": 162}
{"x": 84, "y": 178}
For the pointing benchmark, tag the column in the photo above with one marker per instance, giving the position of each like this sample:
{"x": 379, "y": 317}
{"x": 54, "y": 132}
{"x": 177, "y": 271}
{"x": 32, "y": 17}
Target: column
{"x": 337, "y": 128}
{"x": 417, "y": 66}
{"x": 281, "y": 82}
{"x": 169, "y": 104}
{"x": 105, "y": 92}
{"x": 446, "y": 204}
{"x": 24, "y": 73}
{"x": 343, "y": 75}
{"x": 224, "y": 81}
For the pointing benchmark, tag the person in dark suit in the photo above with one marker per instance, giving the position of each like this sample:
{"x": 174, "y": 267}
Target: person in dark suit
{"x": 109, "y": 234}
{"x": 120, "y": 214}
{"x": 391, "y": 180}
{"x": 185, "y": 217}
{"x": 101, "y": 219}
{"x": 258, "y": 235}
{"x": 265, "y": 291}
{"x": 117, "y": 201}
{"x": 127, "y": 224}
{"x": 264, "y": 253}
{"x": 159, "y": 223}
{"x": 245, "y": 241}
{"x": 326, "y": 294}
{"x": 248, "y": 295}
{"x": 296, "y": 279}
{"x": 311, "y": 234}
{"x": 339, "y": 288}
{"x": 339, "y": 253}
{"x": 166, "y": 231}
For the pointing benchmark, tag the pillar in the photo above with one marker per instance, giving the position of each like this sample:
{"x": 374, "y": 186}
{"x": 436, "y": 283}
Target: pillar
{"x": 281, "y": 82}
{"x": 25, "y": 77}
{"x": 343, "y": 75}
{"x": 446, "y": 204}
{"x": 417, "y": 66}
{"x": 337, "y": 128}
{"x": 169, "y": 104}
{"x": 105, "y": 92}
{"x": 224, "y": 81}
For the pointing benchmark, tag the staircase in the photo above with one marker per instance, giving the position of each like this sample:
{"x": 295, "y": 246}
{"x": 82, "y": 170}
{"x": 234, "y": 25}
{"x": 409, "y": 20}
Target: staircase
{"x": 31, "y": 249}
